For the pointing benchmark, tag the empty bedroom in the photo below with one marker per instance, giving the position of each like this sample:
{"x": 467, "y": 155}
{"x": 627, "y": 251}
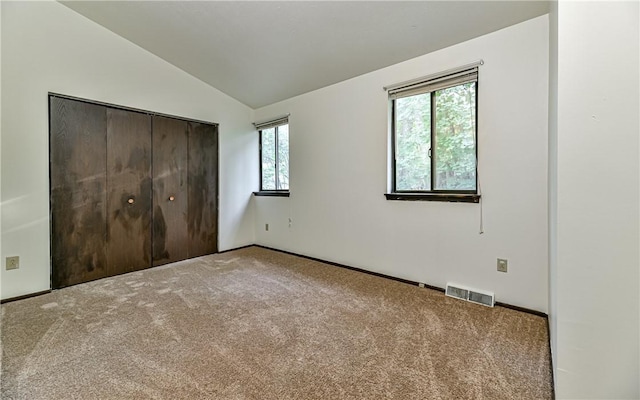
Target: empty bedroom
{"x": 320, "y": 199}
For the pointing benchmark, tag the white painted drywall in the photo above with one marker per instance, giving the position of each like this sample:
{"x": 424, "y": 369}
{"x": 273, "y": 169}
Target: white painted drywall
{"x": 46, "y": 47}
{"x": 598, "y": 185}
{"x": 552, "y": 178}
{"x": 338, "y": 177}
{"x": 2, "y": 260}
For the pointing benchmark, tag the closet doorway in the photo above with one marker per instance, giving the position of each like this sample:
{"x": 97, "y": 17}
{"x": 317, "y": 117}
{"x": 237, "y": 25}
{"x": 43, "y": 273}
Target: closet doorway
{"x": 129, "y": 189}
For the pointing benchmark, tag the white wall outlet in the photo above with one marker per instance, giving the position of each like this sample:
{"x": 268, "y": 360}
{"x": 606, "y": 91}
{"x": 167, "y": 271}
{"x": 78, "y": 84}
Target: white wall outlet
{"x": 13, "y": 262}
{"x": 502, "y": 265}
{"x": 420, "y": 284}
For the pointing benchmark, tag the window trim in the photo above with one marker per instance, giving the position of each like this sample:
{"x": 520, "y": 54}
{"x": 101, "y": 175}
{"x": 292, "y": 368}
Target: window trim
{"x": 471, "y": 196}
{"x": 270, "y": 192}
{"x": 273, "y": 193}
{"x": 428, "y": 196}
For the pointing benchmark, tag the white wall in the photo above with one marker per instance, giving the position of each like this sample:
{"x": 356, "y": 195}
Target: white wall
{"x": 338, "y": 175}
{"x": 2, "y": 263}
{"x": 552, "y": 179}
{"x": 598, "y": 185}
{"x": 46, "y": 47}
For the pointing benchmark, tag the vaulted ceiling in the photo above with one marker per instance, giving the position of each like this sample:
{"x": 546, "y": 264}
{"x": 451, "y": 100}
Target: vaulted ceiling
{"x": 262, "y": 52}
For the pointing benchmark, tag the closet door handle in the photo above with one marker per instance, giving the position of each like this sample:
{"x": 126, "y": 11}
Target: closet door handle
{"x": 171, "y": 198}
{"x": 131, "y": 200}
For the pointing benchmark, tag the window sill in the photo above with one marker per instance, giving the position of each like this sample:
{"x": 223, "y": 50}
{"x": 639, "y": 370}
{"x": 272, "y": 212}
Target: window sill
{"x": 448, "y": 197}
{"x": 272, "y": 193}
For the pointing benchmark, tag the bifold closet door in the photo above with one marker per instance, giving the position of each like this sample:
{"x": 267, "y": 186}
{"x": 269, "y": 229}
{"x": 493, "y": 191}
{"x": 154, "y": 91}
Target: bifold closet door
{"x": 203, "y": 189}
{"x": 170, "y": 150}
{"x": 78, "y": 191}
{"x": 129, "y": 191}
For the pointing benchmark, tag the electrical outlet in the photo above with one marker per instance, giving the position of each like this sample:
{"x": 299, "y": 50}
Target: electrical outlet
{"x": 420, "y": 284}
{"x": 13, "y": 262}
{"x": 266, "y": 227}
{"x": 502, "y": 265}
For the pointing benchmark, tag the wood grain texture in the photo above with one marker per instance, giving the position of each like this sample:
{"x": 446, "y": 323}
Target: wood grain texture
{"x": 78, "y": 191}
{"x": 170, "y": 147}
{"x": 203, "y": 189}
{"x": 129, "y": 191}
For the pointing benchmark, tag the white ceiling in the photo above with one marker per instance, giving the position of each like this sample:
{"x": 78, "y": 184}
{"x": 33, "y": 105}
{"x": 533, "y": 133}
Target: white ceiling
{"x": 262, "y": 52}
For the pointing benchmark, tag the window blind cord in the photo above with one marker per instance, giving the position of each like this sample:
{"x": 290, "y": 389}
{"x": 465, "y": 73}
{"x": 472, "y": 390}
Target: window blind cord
{"x": 481, "y": 231}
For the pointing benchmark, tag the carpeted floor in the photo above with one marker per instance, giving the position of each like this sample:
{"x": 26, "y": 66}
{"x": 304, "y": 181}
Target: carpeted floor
{"x": 258, "y": 324}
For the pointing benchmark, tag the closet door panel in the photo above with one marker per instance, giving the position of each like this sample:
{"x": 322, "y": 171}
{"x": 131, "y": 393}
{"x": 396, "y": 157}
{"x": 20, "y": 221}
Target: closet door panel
{"x": 170, "y": 140}
{"x": 203, "y": 189}
{"x": 78, "y": 191}
{"x": 129, "y": 191}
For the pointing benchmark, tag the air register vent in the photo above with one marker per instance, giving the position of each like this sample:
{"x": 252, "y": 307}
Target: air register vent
{"x": 457, "y": 292}
{"x": 472, "y": 295}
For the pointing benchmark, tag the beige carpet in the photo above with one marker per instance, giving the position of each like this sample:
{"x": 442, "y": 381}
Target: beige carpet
{"x": 258, "y": 324}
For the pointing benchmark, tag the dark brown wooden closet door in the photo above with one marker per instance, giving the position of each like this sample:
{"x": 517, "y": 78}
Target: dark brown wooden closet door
{"x": 78, "y": 191}
{"x": 129, "y": 186}
{"x": 203, "y": 189}
{"x": 169, "y": 190}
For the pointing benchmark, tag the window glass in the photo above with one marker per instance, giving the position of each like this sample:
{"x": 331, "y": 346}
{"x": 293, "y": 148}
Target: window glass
{"x": 455, "y": 138}
{"x": 435, "y": 140}
{"x": 413, "y": 142}
{"x": 268, "y": 162}
{"x": 283, "y": 157}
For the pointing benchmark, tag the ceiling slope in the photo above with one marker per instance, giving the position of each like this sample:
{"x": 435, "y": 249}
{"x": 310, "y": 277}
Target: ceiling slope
{"x": 263, "y": 52}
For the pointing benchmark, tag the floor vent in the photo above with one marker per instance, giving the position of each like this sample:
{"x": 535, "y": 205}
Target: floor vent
{"x": 472, "y": 295}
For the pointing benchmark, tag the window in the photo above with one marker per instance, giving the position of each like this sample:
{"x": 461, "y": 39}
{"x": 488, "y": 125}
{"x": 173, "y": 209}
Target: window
{"x": 274, "y": 157}
{"x": 434, "y": 146}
